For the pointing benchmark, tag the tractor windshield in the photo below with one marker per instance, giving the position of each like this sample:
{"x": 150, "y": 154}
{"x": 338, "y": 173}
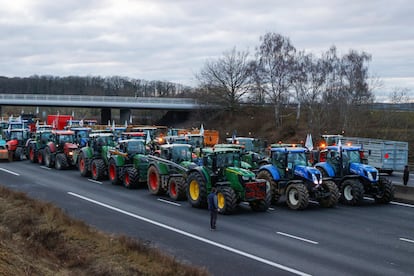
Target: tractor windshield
{"x": 135, "y": 147}
{"x": 351, "y": 157}
{"x": 296, "y": 159}
{"x": 181, "y": 154}
{"x": 16, "y": 135}
{"x": 228, "y": 159}
{"x": 66, "y": 139}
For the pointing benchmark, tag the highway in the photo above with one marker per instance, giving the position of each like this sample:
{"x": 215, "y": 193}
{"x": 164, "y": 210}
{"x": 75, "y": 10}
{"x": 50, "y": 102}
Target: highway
{"x": 369, "y": 239}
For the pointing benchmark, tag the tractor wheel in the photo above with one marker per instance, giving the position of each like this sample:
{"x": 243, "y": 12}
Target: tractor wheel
{"x": 61, "y": 161}
{"x": 297, "y": 196}
{"x": 387, "y": 191}
{"x": 113, "y": 173}
{"x": 98, "y": 169}
{"x": 83, "y": 165}
{"x": 19, "y": 154}
{"x": 154, "y": 181}
{"x": 226, "y": 200}
{"x": 273, "y": 185}
{"x": 263, "y": 204}
{"x": 47, "y": 157}
{"x": 131, "y": 178}
{"x": 41, "y": 157}
{"x": 10, "y": 156}
{"x": 352, "y": 192}
{"x": 196, "y": 190}
{"x": 32, "y": 154}
{"x": 332, "y": 200}
{"x": 177, "y": 188}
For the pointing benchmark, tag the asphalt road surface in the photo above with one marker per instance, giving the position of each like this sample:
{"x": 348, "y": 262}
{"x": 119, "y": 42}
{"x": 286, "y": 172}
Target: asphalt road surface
{"x": 369, "y": 239}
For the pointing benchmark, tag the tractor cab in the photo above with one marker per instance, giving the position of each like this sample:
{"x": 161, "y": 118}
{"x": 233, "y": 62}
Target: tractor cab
{"x": 177, "y": 153}
{"x": 287, "y": 159}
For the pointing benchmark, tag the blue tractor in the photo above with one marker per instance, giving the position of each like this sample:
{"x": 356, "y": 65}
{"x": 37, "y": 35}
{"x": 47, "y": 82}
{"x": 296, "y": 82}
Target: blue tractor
{"x": 289, "y": 174}
{"x": 344, "y": 165}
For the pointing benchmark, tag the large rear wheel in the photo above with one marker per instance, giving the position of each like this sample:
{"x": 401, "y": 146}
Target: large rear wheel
{"x": 274, "y": 195}
{"x": 352, "y": 192}
{"x": 32, "y": 154}
{"x": 61, "y": 161}
{"x": 297, "y": 196}
{"x": 196, "y": 190}
{"x": 83, "y": 165}
{"x": 46, "y": 157}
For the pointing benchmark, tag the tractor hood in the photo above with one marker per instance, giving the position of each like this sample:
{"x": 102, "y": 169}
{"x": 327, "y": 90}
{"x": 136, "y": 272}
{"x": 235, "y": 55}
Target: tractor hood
{"x": 310, "y": 173}
{"x": 70, "y": 146}
{"x": 13, "y": 142}
{"x": 364, "y": 170}
{"x": 240, "y": 171}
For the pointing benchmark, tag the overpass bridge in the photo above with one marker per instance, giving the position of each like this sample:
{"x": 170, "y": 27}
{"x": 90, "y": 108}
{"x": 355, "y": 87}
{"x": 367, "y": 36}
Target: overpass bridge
{"x": 105, "y": 103}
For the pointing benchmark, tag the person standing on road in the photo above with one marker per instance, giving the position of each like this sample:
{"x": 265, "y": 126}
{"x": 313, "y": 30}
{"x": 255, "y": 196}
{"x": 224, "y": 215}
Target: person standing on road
{"x": 213, "y": 207}
{"x": 406, "y": 175}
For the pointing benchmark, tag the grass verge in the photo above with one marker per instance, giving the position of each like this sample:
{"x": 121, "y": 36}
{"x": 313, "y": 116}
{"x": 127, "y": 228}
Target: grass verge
{"x": 37, "y": 238}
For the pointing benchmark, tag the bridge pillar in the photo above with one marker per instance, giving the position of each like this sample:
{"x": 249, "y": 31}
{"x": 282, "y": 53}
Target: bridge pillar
{"x": 105, "y": 115}
{"x": 124, "y": 114}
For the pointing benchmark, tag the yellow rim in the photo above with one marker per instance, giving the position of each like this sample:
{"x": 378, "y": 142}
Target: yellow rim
{"x": 194, "y": 190}
{"x": 221, "y": 201}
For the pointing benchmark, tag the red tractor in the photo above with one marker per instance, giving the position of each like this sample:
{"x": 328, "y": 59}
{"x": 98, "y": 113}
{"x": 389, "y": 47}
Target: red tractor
{"x": 60, "y": 149}
{"x": 16, "y": 144}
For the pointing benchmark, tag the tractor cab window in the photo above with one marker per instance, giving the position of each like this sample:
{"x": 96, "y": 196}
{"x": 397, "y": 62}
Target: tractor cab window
{"x": 16, "y": 135}
{"x": 133, "y": 148}
{"x": 65, "y": 139}
{"x": 296, "y": 159}
{"x": 353, "y": 156}
{"x": 182, "y": 154}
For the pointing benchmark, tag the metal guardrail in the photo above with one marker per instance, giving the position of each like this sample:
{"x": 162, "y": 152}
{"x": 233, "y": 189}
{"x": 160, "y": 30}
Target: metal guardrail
{"x": 100, "y": 101}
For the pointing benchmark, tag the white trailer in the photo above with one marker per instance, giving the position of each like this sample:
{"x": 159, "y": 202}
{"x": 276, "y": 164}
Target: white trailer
{"x": 385, "y": 155}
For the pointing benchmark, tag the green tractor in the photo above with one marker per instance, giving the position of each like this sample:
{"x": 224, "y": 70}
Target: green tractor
{"x": 167, "y": 173}
{"x": 128, "y": 163}
{"x": 93, "y": 158}
{"x": 36, "y": 144}
{"x": 221, "y": 169}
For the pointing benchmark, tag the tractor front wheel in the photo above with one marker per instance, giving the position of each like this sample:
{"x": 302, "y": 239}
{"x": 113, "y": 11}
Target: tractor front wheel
{"x": 32, "y": 154}
{"x": 131, "y": 178}
{"x": 177, "y": 188}
{"x": 98, "y": 169}
{"x": 226, "y": 200}
{"x": 352, "y": 192}
{"x": 196, "y": 190}
{"x": 113, "y": 173}
{"x": 154, "y": 181}
{"x": 297, "y": 196}
{"x": 386, "y": 193}
{"x": 333, "y": 197}
{"x": 61, "y": 161}
{"x": 46, "y": 157}
{"x": 83, "y": 165}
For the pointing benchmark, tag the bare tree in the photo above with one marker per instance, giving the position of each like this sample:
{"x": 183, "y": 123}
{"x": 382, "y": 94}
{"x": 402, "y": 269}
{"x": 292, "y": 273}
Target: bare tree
{"x": 275, "y": 60}
{"x": 227, "y": 78}
{"x": 400, "y": 95}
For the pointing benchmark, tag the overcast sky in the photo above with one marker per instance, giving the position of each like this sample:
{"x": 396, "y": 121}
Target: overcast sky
{"x": 170, "y": 40}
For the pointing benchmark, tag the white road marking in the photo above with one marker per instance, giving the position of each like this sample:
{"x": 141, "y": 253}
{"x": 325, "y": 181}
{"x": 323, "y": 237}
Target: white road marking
{"x": 407, "y": 240}
{"x": 395, "y": 203}
{"x": 271, "y": 208}
{"x": 228, "y": 248}
{"x": 10, "y": 172}
{"x": 94, "y": 181}
{"x": 169, "y": 202}
{"x": 298, "y": 238}
{"x": 46, "y": 168}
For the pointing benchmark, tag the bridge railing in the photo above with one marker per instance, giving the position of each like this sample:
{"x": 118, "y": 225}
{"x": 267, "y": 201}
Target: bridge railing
{"x": 80, "y": 98}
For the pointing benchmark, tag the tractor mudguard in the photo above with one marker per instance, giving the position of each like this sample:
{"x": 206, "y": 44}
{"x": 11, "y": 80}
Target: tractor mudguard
{"x": 326, "y": 167}
{"x": 202, "y": 172}
{"x": 272, "y": 170}
{"x": 362, "y": 170}
{"x": 87, "y": 151}
{"x": 119, "y": 160}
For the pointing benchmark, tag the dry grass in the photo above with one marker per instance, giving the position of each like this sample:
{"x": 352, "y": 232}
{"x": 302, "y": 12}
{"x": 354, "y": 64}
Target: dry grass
{"x": 37, "y": 238}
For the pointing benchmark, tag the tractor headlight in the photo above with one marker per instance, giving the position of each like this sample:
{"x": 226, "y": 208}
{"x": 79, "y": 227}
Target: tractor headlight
{"x": 370, "y": 177}
{"x": 70, "y": 153}
{"x": 316, "y": 180}
{"x": 246, "y": 178}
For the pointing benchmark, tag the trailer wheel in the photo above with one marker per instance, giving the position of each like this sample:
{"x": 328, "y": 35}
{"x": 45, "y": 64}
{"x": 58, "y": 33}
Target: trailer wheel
{"x": 352, "y": 192}
{"x": 226, "y": 200}
{"x": 196, "y": 190}
{"x": 177, "y": 188}
{"x": 154, "y": 181}
{"x": 332, "y": 200}
{"x": 386, "y": 193}
{"x": 297, "y": 196}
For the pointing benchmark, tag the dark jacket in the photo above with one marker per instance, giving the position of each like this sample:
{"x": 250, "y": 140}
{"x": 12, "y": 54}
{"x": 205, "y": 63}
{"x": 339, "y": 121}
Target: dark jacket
{"x": 212, "y": 201}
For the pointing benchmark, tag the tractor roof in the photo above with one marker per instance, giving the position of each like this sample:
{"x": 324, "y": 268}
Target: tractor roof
{"x": 167, "y": 146}
{"x": 63, "y": 132}
{"x": 288, "y": 149}
{"x": 344, "y": 148}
